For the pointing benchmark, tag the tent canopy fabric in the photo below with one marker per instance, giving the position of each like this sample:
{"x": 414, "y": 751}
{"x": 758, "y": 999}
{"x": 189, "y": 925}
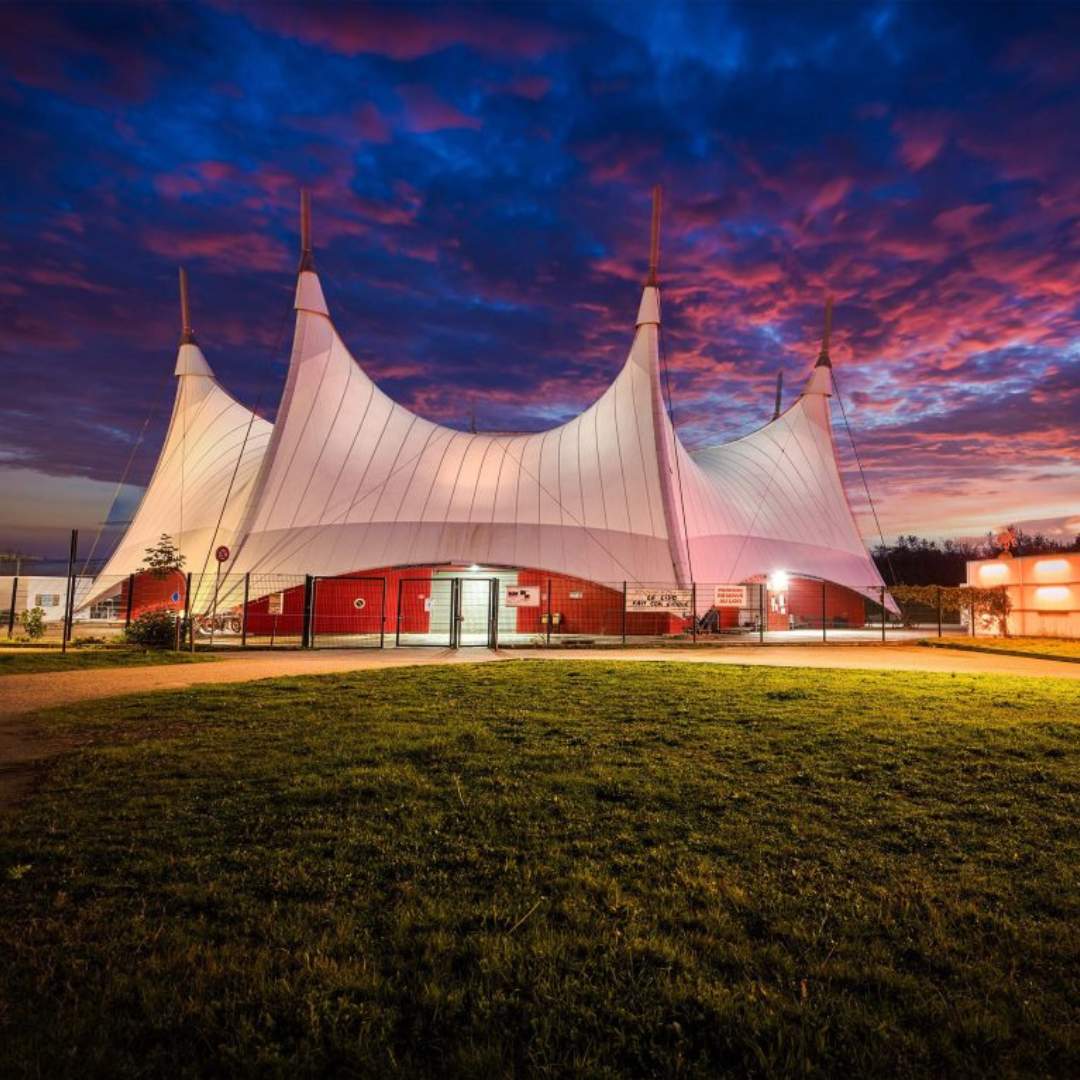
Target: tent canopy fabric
{"x": 347, "y": 479}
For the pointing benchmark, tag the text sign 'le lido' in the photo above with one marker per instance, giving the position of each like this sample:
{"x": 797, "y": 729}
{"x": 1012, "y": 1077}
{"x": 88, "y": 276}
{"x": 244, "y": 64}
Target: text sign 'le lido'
{"x": 677, "y": 601}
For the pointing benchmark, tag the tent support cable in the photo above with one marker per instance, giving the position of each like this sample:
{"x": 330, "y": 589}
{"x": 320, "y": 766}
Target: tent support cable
{"x": 127, "y": 468}
{"x": 862, "y": 475}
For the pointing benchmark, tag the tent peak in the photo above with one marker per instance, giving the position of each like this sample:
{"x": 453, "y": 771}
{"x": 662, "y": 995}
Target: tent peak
{"x": 187, "y": 335}
{"x": 823, "y": 358}
{"x": 654, "y": 239}
{"x": 307, "y": 260}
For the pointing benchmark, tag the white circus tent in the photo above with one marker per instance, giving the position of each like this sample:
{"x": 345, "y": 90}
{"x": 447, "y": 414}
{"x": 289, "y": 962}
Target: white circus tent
{"x": 350, "y": 480}
{"x": 202, "y": 483}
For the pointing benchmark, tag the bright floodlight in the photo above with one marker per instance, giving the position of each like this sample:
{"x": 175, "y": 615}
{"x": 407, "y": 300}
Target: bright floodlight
{"x": 778, "y": 582}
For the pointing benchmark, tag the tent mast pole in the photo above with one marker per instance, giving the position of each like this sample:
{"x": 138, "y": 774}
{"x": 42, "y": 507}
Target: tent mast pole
{"x": 654, "y": 241}
{"x": 187, "y": 335}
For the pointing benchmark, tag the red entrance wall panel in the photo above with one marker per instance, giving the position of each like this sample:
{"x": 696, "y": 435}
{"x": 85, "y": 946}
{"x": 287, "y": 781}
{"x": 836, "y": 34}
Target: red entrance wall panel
{"x": 584, "y": 607}
{"x": 286, "y": 618}
{"x": 414, "y": 614}
{"x": 842, "y": 607}
{"x": 349, "y": 605}
{"x": 150, "y": 593}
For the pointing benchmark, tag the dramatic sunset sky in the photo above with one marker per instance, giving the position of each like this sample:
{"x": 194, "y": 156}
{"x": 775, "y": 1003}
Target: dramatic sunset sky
{"x": 481, "y": 178}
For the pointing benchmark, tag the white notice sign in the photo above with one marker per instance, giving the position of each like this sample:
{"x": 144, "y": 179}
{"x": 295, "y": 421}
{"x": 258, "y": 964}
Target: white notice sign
{"x": 677, "y": 601}
{"x": 523, "y": 596}
{"x": 730, "y": 596}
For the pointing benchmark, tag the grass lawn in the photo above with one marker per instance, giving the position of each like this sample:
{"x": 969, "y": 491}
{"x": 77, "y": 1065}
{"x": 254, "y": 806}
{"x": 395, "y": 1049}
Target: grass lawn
{"x": 1056, "y": 648}
{"x": 23, "y": 662}
{"x": 553, "y": 869}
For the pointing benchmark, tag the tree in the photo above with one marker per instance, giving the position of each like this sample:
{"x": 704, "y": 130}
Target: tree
{"x": 162, "y": 559}
{"x": 33, "y": 622}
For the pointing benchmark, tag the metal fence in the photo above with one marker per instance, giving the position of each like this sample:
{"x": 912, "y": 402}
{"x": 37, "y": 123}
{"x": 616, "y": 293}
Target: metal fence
{"x": 450, "y": 608}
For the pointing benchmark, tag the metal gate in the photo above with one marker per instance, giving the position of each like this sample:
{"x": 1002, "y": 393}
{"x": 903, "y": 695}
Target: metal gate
{"x": 447, "y": 612}
{"x": 348, "y": 612}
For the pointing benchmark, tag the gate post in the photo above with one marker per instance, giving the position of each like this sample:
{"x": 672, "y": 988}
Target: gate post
{"x": 309, "y": 605}
{"x": 397, "y": 628}
{"x": 244, "y": 614}
{"x": 69, "y": 597}
{"x": 882, "y": 612}
{"x": 939, "y": 611}
{"x": 761, "y": 612}
{"x": 130, "y": 601}
{"x": 693, "y": 609}
{"x": 187, "y": 612}
{"x": 493, "y": 615}
{"x": 382, "y": 615}
{"x": 624, "y": 612}
{"x": 11, "y": 612}
{"x": 824, "y": 610}
{"x": 455, "y": 612}
{"x": 549, "y": 612}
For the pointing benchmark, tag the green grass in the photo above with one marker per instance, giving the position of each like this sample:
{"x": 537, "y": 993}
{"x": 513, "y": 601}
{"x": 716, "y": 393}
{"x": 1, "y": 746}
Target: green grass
{"x": 1052, "y": 648}
{"x": 19, "y": 662}
{"x": 553, "y": 869}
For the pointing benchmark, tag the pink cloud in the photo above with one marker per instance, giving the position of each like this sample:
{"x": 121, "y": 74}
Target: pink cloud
{"x": 960, "y": 219}
{"x": 401, "y": 34}
{"x": 425, "y": 111}
{"x": 921, "y": 137}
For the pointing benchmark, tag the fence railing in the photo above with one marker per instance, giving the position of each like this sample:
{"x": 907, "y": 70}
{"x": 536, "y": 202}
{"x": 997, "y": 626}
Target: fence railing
{"x": 456, "y": 608}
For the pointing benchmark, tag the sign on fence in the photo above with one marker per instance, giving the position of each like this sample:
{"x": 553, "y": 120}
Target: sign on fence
{"x": 677, "y": 601}
{"x": 730, "y": 596}
{"x": 523, "y": 596}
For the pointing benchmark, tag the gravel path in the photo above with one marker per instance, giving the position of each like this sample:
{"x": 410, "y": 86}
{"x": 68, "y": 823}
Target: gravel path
{"x": 25, "y": 750}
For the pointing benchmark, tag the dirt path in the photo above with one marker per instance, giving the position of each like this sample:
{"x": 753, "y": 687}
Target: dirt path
{"x": 25, "y": 750}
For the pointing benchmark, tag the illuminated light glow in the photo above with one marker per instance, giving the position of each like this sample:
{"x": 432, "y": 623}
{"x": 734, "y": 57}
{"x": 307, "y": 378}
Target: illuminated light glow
{"x": 778, "y": 582}
{"x": 1052, "y": 592}
{"x": 993, "y": 570}
{"x": 1051, "y": 566}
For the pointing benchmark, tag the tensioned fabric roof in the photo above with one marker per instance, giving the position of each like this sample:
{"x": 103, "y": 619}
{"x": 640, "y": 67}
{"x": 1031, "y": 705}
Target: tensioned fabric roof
{"x": 348, "y": 480}
{"x": 204, "y": 475}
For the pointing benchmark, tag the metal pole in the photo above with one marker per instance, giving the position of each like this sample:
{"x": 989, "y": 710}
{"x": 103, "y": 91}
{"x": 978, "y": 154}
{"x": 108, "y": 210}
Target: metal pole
{"x": 244, "y": 614}
{"x": 939, "y": 611}
{"x": 972, "y": 605}
{"x": 882, "y": 612}
{"x": 11, "y": 612}
{"x": 397, "y": 628}
{"x": 309, "y": 603}
{"x": 187, "y": 612}
{"x": 494, "y": 634}
{"x": 213, "y": 606}
{"x": 130, "y": 601}
{"x": 693, "y": 609}
{"x": 624, "y": 612}
{"x": 824, "y": 610}
{"x": 761, "y": 612}
{"x": 69, "y": 598}
{"x": 382, "y": 615}
{"x": 549, "y": 612}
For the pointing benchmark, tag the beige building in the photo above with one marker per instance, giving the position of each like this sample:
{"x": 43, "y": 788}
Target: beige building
{"x": 1044, "y": 589}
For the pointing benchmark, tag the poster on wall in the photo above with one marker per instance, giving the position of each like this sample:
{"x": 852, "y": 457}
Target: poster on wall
{"x": 275, "y": 603}
{"x": 675, "y": 601}
{"x": 523, "y": 596}
{"x": 730, "y": 596}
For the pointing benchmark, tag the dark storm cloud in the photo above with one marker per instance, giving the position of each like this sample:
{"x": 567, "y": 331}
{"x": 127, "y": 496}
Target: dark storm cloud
{"x": 480, "y": 176}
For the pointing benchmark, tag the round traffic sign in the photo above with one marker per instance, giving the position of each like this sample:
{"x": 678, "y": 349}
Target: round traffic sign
{"x": 222, "y": 554}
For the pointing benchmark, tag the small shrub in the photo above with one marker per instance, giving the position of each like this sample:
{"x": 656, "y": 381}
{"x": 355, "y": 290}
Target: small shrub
{"x": 33, "y": 622}
{"x": 154, "y": 629}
